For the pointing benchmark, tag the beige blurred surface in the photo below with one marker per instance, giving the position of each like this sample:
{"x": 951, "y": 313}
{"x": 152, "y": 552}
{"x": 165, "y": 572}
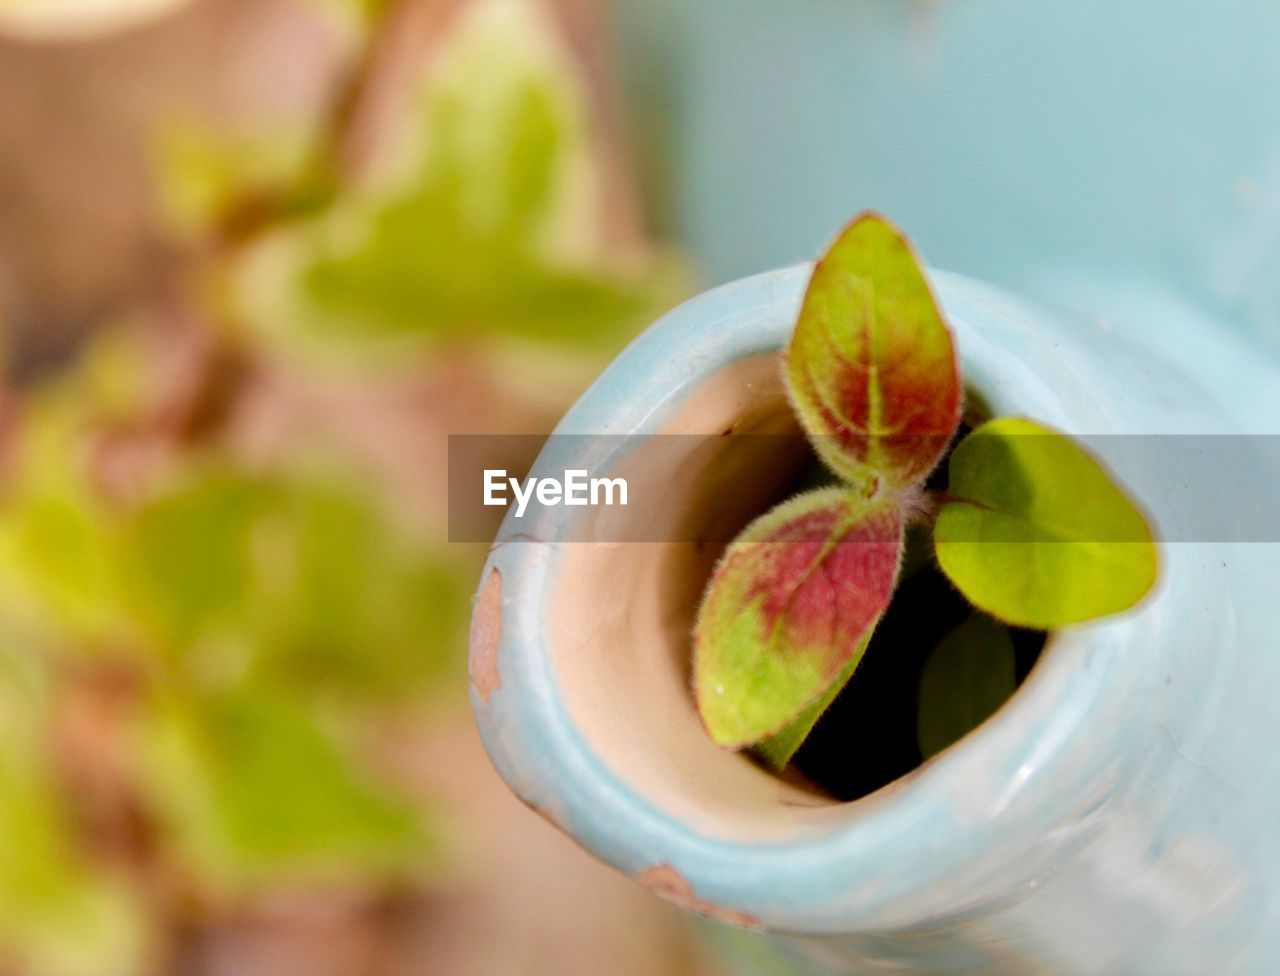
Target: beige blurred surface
{"x": 80, "y": 235}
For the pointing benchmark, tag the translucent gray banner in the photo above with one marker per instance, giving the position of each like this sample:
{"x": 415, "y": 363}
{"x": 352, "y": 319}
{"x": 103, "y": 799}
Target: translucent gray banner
{"x": 702, "y": 489}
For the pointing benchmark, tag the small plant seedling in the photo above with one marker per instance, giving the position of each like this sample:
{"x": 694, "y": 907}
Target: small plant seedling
{"x": 1030, "y": 528}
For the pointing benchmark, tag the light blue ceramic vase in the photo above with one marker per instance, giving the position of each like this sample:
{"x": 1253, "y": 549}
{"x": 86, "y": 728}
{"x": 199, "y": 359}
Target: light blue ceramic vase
{"x": 1116, "y": 162}
{"x": 1121, "y": 814}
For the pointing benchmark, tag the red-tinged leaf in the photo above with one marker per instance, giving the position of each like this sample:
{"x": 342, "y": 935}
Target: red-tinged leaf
{"x": 789, "y": 607}
{"x": 872, "y": 365}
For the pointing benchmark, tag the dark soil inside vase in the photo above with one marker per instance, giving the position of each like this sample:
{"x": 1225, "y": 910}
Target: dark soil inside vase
{"x": 867, "y": 738}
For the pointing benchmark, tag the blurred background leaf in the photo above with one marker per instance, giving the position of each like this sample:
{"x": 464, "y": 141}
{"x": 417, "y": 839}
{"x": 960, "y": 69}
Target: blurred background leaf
{"x": 68, "y": 916}
{"x": 484, "y": 221}
{"x": 252, "y": 789}
{"x": 204, "y": 175}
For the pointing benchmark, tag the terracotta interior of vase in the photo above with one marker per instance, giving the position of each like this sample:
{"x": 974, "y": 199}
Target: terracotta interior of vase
{"x": 621, "y": 614}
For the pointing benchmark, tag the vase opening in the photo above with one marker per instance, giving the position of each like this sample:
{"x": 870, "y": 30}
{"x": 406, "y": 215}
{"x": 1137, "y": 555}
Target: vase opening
{"x": 622, "y": 614}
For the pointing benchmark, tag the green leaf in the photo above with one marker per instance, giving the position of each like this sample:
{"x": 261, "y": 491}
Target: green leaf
{"x": 487, "y": 223}
{"x": 57, "y": 914}
{"x": 1036, "y": 533}
{"x": 789, "y": 608}
{"x": 298, "y": 575}
{"x": 969, "y": 675}
{"x": 60, "y": 915}
{"x": 872, "y": 366}
{"x": 190, "y": 553}
{"x": 202, "y": 173}
{"x": 342, "y": 599}
{"x": 252, "y": 786}
{"x": 780, "y": 747}
{"x": 57, "y": 536}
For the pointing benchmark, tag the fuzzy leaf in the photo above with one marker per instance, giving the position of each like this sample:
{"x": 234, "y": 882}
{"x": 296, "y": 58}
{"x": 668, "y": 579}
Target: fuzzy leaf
{"x": 969, "y": 675}
{"x": 789, "y": 607}
{"x": 872, "y": 366}
{"x": 780, "y": 747}
{"x": 1036, "y": 533}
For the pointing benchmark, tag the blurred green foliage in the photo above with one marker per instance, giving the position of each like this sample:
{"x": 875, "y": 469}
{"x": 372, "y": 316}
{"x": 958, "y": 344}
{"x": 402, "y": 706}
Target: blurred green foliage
{"x": 251, "y": 787}
{"x": 485, "y": 222}
{"x": 484, "y": 195}
{"x": 262, "y": 612}
{"x": 68, "y": 917}
{"x": 266, "y": 610}
{"x": 203, "y": 175}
